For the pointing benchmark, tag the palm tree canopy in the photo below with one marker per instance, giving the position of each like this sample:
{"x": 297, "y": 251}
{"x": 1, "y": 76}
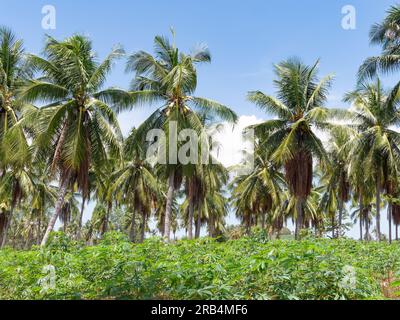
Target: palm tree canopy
{"x": 77, "y": 127}
{"x": 386, "y": 34}
{"x": 375, "y": 147}
{"x": 299, "y": 109}
{"x": 13, "y": 73}
{"x": 170, "y": 78}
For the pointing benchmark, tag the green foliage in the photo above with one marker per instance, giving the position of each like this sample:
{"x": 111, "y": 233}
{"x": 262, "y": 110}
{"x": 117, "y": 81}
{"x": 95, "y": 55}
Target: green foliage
{"x": 202, "y": 269}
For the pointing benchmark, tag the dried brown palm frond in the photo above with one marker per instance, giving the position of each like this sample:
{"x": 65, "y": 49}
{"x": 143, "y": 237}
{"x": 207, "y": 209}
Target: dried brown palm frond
{"x": 299, "y": 173}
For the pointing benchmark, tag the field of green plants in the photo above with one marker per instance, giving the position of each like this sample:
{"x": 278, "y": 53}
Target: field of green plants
{"x": 248, "y": 268}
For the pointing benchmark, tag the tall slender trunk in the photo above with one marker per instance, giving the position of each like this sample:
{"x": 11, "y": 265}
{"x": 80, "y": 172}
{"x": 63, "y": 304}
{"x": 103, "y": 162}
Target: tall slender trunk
{"x": 79, "y": 231}
{"x": 248, "y": 225}
{"x": 132, "y": 233}
{"x": 299, "y": 220}
{"x": 198, "y": 225}
{"x": 211, "y": 226}
{"x": 28, "y": 239}
{"x": 168, "y": 206}
{"x": 333, "y": 226}
{"x": 7, "y": 227}
{"x": 190, "y": 218}
{"x": 263, "y": 220}
{"x": 390, "y": 221}
{"x": 57, "y": 210}
{"x": 108, "y": 212}
{"x": 362, "y": 220}
{"x": 143, "y": 226}
{"x": 340, "y": 219}
{"x": 39, "y": 227}
{"x": 397, "y": 232}
{"x": 378, "y": 208}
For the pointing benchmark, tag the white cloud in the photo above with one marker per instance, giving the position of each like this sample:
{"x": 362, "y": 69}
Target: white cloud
{"x": 231, "y": 140}
{"x": 232, "y": 143}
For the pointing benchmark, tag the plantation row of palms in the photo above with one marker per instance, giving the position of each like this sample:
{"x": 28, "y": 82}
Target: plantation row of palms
{"x": 61, "y": 146}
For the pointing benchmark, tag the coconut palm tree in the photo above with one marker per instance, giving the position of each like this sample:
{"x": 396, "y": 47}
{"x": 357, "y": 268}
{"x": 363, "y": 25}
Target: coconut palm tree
{"x": 13, "y": 72}
{"x": 364, "y": 213}
{"x": 77, "y": 129}
{"x": 375, "y": 147}
{"x": 312, "y": 215}
{"x": 70, "y": 212}
{"x": 98, "y": 223}
{"x": 396, "y": 217}
{"x": 257, "y": 193}
{"x": 290, "y": 139}
{"x": 335, "y": 178}
{"x": 215, "y": 209}
{"x": 194, "y": 196}
{"x": 15, "y": 185}
{"x": 101, "y": 181}
{"x": 43, "y": 198}
{"x": 207, "y": 186}
{"x": 170, "y": 79}
{"x": 135, "y": 185}
{"x": 387, "y": 35}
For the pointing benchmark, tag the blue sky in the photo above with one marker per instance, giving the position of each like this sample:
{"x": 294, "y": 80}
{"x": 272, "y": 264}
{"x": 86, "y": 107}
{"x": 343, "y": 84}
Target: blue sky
{"x": 245, "y": 38}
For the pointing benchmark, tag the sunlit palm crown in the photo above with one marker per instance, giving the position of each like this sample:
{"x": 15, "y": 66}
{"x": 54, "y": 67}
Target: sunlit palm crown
{"x": 77, "y": 127}
{"x": 13, "y": 72}
{"x": 375, "y": 117}
{"x": 170, "y": 78}
{"x": 299, "y": 108}
{"x": 386, "y": 34}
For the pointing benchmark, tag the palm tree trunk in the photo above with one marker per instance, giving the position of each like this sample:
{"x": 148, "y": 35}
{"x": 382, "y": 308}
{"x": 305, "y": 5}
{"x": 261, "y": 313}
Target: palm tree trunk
{"x": 198, "y": 225}
{"x": 79, "y": 231}
{"x": 248, "y": 225}
{"x": 28, "y": 239}
{"x": 6, "y": 228}
{"x": 211, "y": 226}
{"x": 263, "y": 220}
{"x": 132, "y": 233}
{"x": 390, "y": 221}
{"x": 39, "y": 227}
{"x": 143, "y": 226}
{"x": 190, "y": 218}
{"x": 57, "y": 210}
{"x": 361, "y": 229}
{"x": 378, "y": 209}
{"x": 339, "y": 230}
{"x": 109, "y": 207}
{"x": 362, "y": 220}
{"x": 168, "y": 207}
{"x": 299, "y": 220}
